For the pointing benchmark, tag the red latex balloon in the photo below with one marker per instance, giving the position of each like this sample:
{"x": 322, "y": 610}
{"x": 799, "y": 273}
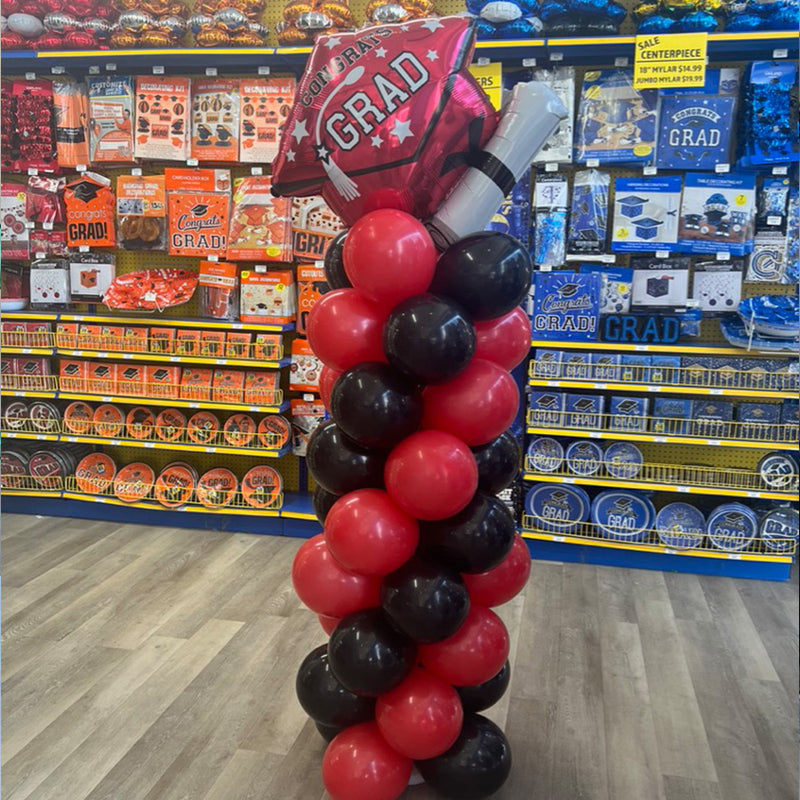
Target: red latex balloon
{"x": 477, "y": 406}
{"x": 344, "y": 329}
{"x": 431, "y": 475}
{"x": 327, "y": 377}
{"x": 368, "y": 534}
{"x": 473, "y": 654}
{"x": 389, "y": 256}
{"x": 391, "y": 107}
{"x": 328, "y": 623}
{"x": 506, "y": 340}
{"x": 420, "y": 718}
{"x": 506, "y": 580}
{"x": 360, "y": 765}
{"x": 328, "y": 588}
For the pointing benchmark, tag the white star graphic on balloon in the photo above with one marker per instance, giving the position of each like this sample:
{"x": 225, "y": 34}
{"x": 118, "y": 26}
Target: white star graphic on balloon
{"x": 380, "y": 52}
{"x": 377, "y": 141}
{"x": 322, "y": 152}
{"x": 432, "y": 55}
{"x": 290, "y": 155}
{"x": 432, "y": 24}
{"x": 402, "y": 130}
{"x": 404, "y": 27}
{"x": 299, "y": 131}
{"x": 332, "y": 41}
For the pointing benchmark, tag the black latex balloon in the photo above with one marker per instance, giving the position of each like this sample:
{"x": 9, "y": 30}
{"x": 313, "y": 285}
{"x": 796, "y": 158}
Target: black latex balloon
{"x": 375, "y": 405}
{"x": 328, "y": 732}
{"x": 498, "y": 463}
{"x": 324, "y": 698}
{"x": 474, "y": 540}
{"x": 476, "y": 766}
{"x": 323, "y": 500}
{"x": 486, "y": 694}
{"x": 368, "y": 655}
{"x": 425, "y": 600}
{"x": 488, "y": 273}
{"x": 340, "y": 465}
{"x": 429, "y": 338}
{"x": 334, "y": 265}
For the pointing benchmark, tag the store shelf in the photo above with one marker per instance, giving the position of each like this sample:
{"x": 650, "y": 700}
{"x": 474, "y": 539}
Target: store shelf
{"x": 298, "y": 506}
{"x": 172, "y": 359}
{"x": 184, "y": 448}
{"x": 669, "y": 388}
{"x": 30, "y": 486}
{"x": 25, "y": 393}
{"x": 672, "y": 349}
{"x": 26, "y": 351}
{"x": 171, "y": 402}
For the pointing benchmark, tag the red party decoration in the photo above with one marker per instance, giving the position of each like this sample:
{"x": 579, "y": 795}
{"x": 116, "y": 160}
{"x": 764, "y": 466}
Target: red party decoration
{"x": 327, "y": 377}
{"x": 368, "y": 534}
{"x": 406, "y": 262}
{"x": 360, "y": 765}
{"x": 506, "y": 580}
{"x": 473, "y": 654}
{"x": 344, "y": 328}
{"x": 326, "y": 587}
{"x": 506, "y": 340}
{"x": 477, "y": 406}
{"x": 388, "y": 107}
{"x": 328, "y": 623}
{"x": 420, "y": 718}
{"x": 431, "y": 475}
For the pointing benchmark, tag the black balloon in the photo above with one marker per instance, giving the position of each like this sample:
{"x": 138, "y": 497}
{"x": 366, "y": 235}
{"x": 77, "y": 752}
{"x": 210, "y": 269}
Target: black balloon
{"x": 334, "y": 264}
{"x": 324, "y": 698}
{"x": 486, "y": 694}
{"x": 323, "y": 500}
{"x": 476, "y": 766}
{"x": 375, "y": 405}
{"x": 425, "y": 600}
{"x": 368, "y": 655}
{"x": 488, "y": 273}
{"x": 340, "y": 465}
{"x": 328, "y": 732}
{"x": 498, "y": 463}
{"x": 429, "y": 338}
{"x": 474, "y": 540}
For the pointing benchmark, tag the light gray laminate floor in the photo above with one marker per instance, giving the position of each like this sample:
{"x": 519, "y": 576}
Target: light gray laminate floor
{"x": 158, "y": 664}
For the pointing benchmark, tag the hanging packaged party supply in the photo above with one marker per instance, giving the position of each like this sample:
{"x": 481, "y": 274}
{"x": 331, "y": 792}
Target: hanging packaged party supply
{"x": 261, "y": 225}
{"x": 219, "y": 290}
{"x": 13, "y": 230}
{"x": 645, "y": 214}
{"x": 90, "y": 211}
{"x": 44, "y": 202}
{"x": 162, "y": 118}
{"x": 588, "y": 222}
{"x": 514, "y": 215}
{"x": 198, "y": 206}
{"x": 314, "y": 227}
{"x": 110, "y": 119}
{"x": 266, "y": 103}
{"x": 71, "y": 104}
{"x": 35, "y": 125}
{"x": 550, "y": 232}
{"x": 558, "y": 148}
{"x": 215, "y": 120}
{"x": 142, "y": 212}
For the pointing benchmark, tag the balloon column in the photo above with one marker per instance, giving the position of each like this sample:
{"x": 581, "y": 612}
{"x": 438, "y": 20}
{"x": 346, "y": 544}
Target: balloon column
{"x": 417, "y": 346}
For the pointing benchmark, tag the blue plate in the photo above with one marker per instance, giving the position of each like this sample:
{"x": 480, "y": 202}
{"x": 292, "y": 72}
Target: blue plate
{"x": 733, "y": 329}
{"x": 780, "y": 529}
{"x": 623, "y": 460}
{"x": 732, "y": 526}
{"x": 778, "y": 471}
{"x": 681, "y": 525}
{"x": 545, "y": 454}
{"x": 772, "y": 315}
{"x": 584, "y": 457}
{"x": 624, "y": 516}
{"x": 556, "y": 508}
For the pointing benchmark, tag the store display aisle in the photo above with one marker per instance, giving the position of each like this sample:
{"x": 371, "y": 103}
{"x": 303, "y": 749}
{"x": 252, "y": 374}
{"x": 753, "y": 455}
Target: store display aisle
{"x": 160, "y": 663}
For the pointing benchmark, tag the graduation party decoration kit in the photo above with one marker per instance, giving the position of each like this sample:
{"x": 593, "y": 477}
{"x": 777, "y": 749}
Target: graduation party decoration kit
{"x": 645, "y": 214}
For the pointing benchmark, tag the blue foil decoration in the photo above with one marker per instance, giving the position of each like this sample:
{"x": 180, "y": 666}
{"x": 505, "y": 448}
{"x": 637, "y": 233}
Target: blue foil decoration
{"x": 743, "y": 23}
{"x": 699, "y": 22}
{"x": 658, "y": 24}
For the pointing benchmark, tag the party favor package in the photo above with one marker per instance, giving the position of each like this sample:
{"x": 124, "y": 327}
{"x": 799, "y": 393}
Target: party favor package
{"x": 767, "y": 262}
{"x": 267, "y": 297}
{"x": 219, "y": 289}
{"x": 717, "y": 286}
{"x": 695, "y": 123}
{"x": 588, "y": 221}
{"x": 566, "y": 306}
{"x": 215, "y": 120}
{"x": 718, "y": 213}
{"x": 514, "y": 215}
{"x": 305, "y": 368}
{"x": 311, "y": 286}
{"x": 89, "y": 200}
{"x": 266, "y": 103}
{"x": 307, "y": 415}
{"x": 71, "y": 104}
{"x": 162, "y": 118}
{"x": 645, "y": 214}
{"x": 616, "y": 287}
{"x": 141, "y": 212}
{"x": 261, "y": 225}
{"x": 35, "y": 125}
{"x": 550, "y": 199}
{"x": 616, "y": 123}
{"x": 198, "y": 205}
{"x": 559, "y": 146}
{"x": 314, "y": 227}
{"x": 13, "y": 231}
{"x": 111, "y": 119}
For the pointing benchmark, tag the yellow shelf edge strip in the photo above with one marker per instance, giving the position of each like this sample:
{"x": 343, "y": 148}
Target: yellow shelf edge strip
{"x": 658, "y": 388}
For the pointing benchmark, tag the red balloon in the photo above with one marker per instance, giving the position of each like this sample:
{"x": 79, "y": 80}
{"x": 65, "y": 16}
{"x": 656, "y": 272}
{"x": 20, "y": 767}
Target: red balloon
{"x": 328, "y": 588}
{"x": 344, "y": 329}
{"x": 506, "y": 580}
{"x": 506, "y": 340}
{"x": 473, "y": 654}
{"x": 420, "y": 718}
{"x": 389, "y": 256}
{"x": 328, "y": 623}
{"x": 477, "y": 406}
{"x": 368, "y": 534}
{"x": 431, "y": 475}
{"x": 360, "y": 765}
{"x": 327, "y": 377}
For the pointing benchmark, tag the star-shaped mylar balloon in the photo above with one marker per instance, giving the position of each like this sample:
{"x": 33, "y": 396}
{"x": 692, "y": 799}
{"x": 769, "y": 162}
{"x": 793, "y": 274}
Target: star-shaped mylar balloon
{"x": 385, "y": 117}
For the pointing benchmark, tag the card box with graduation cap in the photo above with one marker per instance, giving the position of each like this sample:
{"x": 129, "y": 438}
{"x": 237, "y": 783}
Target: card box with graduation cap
{"x": 646, "y": 214}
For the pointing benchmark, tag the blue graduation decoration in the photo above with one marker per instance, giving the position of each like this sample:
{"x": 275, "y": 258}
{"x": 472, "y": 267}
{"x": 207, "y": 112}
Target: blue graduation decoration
{"x": 566, "y": 306}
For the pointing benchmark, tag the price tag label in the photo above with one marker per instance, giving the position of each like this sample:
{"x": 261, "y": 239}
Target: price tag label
{"x": 81, "y": 167}
{"x": 127, "y": 356}
{"x": 528, "y": 62}
{"x": 546, "y": 268}
{"x": 174, "y": 358}
{"x": 482, "y": 62}
{"x": 94, "y": 69}
{"x": 568, "y": 480}
{"x": 211, "y": 72}
{"x": 72, "y": 438}
{"x": 256, "y": 170}
{"x": 111, "y": 67}
{"x": 40, "y": 254}
{"x": 9, "y": 435}
{"x": 723, "y": 256}
{"x": 780, "y": 170}
{"x": 621, "y": 61}
{"x": 641, "y": 348}
{"x": 601, "y": 386}
{"x": 715, "y": 391}
{"x": 192, "y": 162}
{"x": 552, "y": 383}
{"x": 559, "y": 539}
{"x": 41, "y": 437}
{"x": 213, "y": 257}
{"x": 780, "y": 52}
{"x": 158, "y": 69}
{"x": 236, "y": 325}
{"x": 194, "y": 405}
{"x": 592, "y": 162}
{"x": 253, "y": 408}
{"x": 654, "y": 389}
{"x": 660, "y": 439}
{"x": 670, "y": 551}
{"x": 721, "y": 169}
{"x": 754, "y": 494}
{"x": 263, "y": 70}
{"x": 735, "y": 556}
{"x": 57, "y": 70}
{"x": 84, "y": 248}
{"x": 98, "y": 499}
{"x": 30, "y": 76}
{"x": 26, "y": 350}
{"x": 773, "y": 220}
{"x": 48, "y": 226}
{"x": 219, "y": 361}
{"x": 714, "y": 442}
{"x": 210, "y": 449}
{"x": 116, "y": 442}
{"x": 32, "y": 171}
{"x": 594, "y": 434}
{"x": 650, "y": 170}
{"x": 136, "y": 171}
{"x": 556, "y": 56}
{"x": 683, "y": 489}
{"x": 28, "y": 223}
{"x": 662, "y": 253}
{"x": 148, "y": 444}
{"x": 106, "y": 399}
{"x": 551, "y": 166}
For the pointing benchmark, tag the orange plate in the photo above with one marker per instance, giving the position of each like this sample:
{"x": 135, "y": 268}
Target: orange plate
{"x": 202, "y": 427}
{"x": 140, "y": 423}
{"x": 108, "y": 420}
{"x": 239, "y": 430}
{"x": 134, "y": 482}
{"x": 262, "y": 486}
{"x": 217, "y": 488}
{"x": 174, "y": 486}
{"x": 170, "y": 424}
{"x": 271, "y": 427}
{"x": 78, "y": 417}
{"x": 95, "y": 473}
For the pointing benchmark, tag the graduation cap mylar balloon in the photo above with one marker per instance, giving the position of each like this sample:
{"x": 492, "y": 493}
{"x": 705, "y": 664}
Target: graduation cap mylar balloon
{"x": 385, "y": 116}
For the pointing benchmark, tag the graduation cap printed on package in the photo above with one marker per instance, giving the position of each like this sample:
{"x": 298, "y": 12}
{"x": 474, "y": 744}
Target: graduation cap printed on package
{"x": 130, "y": 373}
{"x": 584, "y": 404}
{"x": 647, "y": 227}
{"x": 627, "y": 406}
{"x": 631, "y": 206}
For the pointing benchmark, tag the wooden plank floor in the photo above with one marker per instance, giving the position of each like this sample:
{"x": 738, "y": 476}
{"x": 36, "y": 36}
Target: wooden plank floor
{"x": 158, "y": 664}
